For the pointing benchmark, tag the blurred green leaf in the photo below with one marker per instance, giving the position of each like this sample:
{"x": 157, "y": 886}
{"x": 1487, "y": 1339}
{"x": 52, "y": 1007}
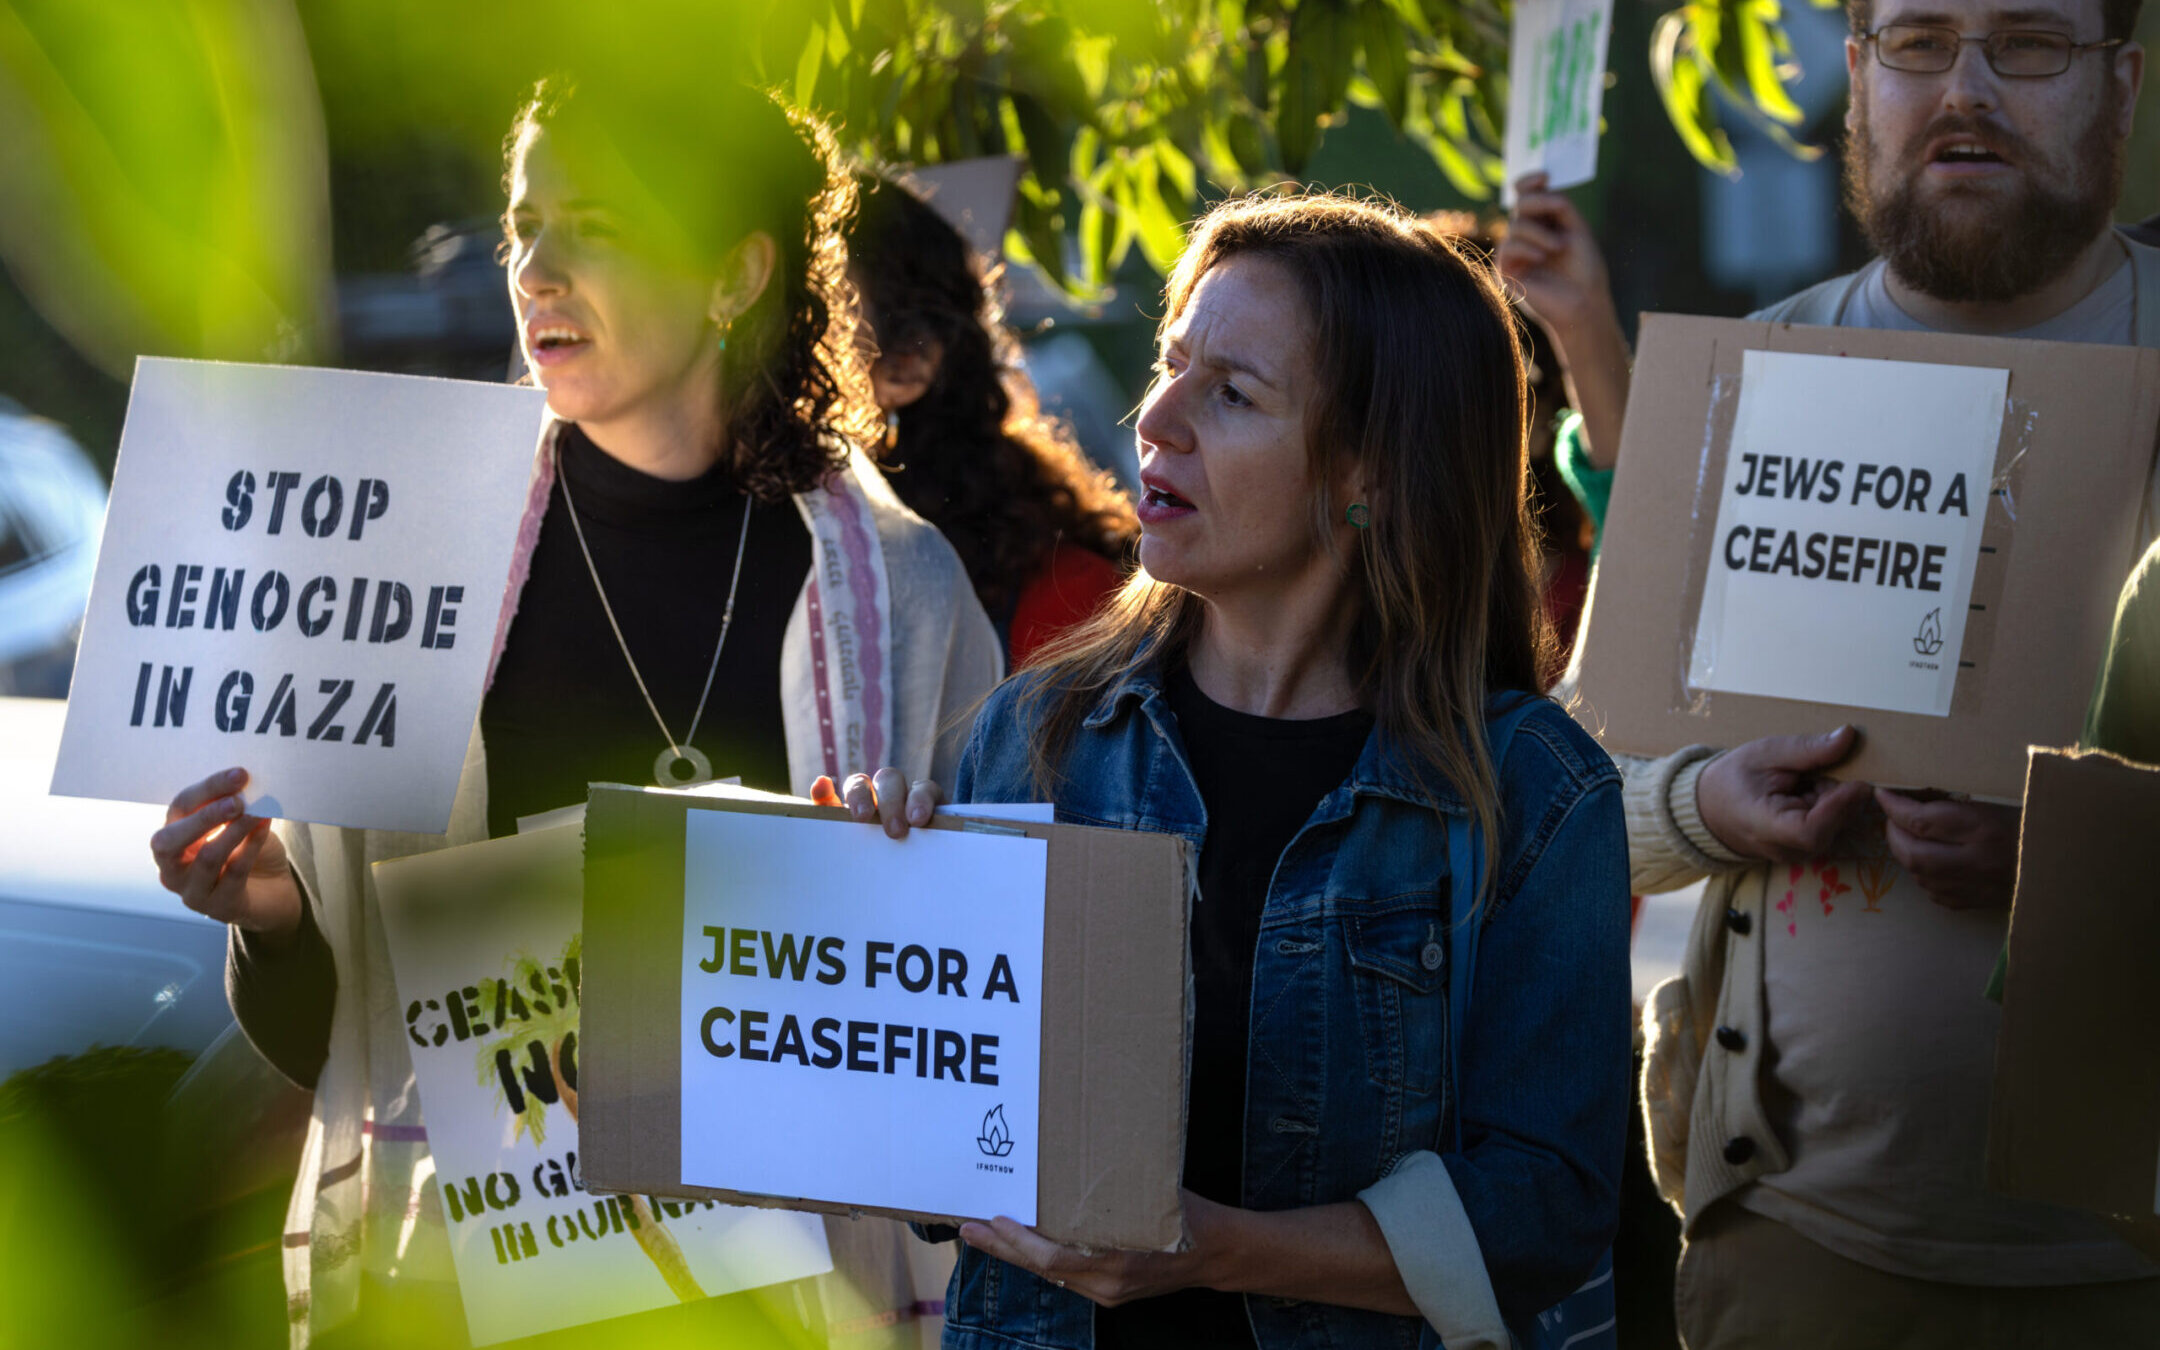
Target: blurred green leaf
{"x": 163, "y": 181}
{"x": 1385, "y": 47}
{"x": 1684, "y": 86}
{"x": 1760, "y": 43}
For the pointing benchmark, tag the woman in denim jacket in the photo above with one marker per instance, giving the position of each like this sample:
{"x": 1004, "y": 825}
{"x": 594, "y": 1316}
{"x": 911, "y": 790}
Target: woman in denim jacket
{"x": 1337, "y": 594}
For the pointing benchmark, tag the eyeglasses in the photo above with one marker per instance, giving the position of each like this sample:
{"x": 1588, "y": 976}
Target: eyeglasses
{"x": 2024, "y": 54}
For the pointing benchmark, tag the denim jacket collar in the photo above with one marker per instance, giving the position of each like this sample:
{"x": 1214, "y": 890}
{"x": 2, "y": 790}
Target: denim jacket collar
{"x": 1382, "y": 769}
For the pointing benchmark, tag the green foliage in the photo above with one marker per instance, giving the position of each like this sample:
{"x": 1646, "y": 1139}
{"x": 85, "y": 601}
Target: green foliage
{"x": 1129, "y": 113}
{"x": 162, "y": 182}
{"x": 170, "y": 193}
{"x": 1729, "y": 52}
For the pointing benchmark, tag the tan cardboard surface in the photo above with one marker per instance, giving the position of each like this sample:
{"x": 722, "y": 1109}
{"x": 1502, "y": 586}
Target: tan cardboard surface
{"x": 2075, "y": 1117}
{"x": 2075, "y": 455}
{"x": 1113, "y": 1051}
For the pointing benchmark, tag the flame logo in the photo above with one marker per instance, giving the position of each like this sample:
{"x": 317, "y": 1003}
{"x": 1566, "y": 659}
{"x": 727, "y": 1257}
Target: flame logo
{"x": 1928, "y": 640}
{"x": 995, "y": 1139}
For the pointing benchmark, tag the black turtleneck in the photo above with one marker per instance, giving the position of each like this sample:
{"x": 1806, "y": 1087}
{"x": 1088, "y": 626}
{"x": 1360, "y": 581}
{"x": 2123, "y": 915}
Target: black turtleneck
{"x": 564, "y": 710}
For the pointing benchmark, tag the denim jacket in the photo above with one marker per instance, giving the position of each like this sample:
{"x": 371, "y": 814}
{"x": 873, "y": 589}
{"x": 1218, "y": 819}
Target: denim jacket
{"x": 1347, "y": 1090}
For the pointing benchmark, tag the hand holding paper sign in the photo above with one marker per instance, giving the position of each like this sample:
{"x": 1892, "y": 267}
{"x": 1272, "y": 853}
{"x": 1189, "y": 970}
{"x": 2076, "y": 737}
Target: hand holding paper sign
{"x": 1963, "y": 854}
{"x": 1551, "y": 255}
{"x": 884, "y": 796}
{"x": 1322, "y": 1253}
{"x": 224, "y": 863}
{"x": 1770, "y": 799}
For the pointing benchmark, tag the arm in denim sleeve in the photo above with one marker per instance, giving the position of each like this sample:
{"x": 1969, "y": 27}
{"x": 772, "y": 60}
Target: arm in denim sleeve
{"x": 1544, "y": 1083}
{"x": 1436, "y": 1252}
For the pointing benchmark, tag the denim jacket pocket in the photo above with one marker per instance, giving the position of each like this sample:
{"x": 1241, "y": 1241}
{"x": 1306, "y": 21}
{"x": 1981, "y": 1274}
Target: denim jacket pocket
{"x": 1398, "y": 963}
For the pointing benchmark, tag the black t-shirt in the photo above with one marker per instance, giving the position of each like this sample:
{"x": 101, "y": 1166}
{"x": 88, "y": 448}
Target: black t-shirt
{"x": 564, "y": 710}
{"x": 1259, "y": 778}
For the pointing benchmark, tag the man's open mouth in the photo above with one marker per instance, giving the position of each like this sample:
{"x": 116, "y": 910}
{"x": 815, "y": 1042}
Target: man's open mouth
{"x": 1965, "y": 152}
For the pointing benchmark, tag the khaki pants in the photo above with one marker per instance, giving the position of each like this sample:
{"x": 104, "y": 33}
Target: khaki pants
{"x": 1746, "y": 1281}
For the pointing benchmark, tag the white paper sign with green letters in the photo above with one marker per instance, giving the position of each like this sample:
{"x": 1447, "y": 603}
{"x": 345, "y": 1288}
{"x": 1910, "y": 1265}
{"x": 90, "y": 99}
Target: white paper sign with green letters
{"x": 1556, "y": 90}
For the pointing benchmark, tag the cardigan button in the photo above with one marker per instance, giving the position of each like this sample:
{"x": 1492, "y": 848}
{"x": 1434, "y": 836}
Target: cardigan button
{"x": 1432, "y": 956}
{"x": 1739, "y": 922}
{"x": 1738, "y": 1151}
{"x": 1732, "y": 1038}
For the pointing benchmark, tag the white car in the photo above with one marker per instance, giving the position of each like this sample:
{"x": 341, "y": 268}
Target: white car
{"x": 92, "y": 950}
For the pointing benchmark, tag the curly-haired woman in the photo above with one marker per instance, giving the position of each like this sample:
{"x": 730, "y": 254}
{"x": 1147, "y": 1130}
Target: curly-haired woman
{"x": 712, "y": 580}
{"x": 1045, "y": 535}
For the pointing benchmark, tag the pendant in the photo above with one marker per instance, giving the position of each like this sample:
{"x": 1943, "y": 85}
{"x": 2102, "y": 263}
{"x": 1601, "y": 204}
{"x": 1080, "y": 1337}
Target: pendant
{"x": 667, "y": 767}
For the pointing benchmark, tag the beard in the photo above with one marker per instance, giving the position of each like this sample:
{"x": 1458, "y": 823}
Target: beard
{"x": 1994, "y": 250}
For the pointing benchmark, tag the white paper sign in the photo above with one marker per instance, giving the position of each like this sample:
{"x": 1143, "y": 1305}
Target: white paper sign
{"x": 862, "y": 1019}
{"x": 485, "y": 945}
{"x": 1556, "y": 90}
{"x": 1848, "y": 528}
{"x": 301, "y": 574}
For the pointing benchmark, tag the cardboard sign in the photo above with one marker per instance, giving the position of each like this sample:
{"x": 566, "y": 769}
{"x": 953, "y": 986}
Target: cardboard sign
{"x": 861, "y": 1020}
{"x": 2058, "y": 534}
{"x": 2075, "y": 1118}
{"x": 485, "y": 945}
{"x": 301, "y": 573}
{"x": 1853, "y": 499}
{"x": 1556, "y": 90}
{"x": 1103, "y": 1118}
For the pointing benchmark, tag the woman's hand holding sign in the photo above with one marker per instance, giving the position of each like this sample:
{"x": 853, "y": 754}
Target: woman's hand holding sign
{"x": 1327, "y": 1253}
{"x": 885, "y": 796}
{"x": 224, "y": 863}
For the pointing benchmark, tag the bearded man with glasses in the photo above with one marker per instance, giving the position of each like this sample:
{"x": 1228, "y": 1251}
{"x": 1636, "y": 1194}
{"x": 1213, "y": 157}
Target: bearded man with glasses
{"x": 1817, "y": 1077}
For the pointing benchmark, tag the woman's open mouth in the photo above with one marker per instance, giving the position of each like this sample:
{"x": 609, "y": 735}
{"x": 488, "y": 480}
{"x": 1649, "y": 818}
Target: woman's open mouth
{"x": 552, "y": 344}
{"x": 1158, "y": 503}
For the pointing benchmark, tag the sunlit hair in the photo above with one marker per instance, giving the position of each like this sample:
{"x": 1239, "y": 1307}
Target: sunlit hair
{"x": 723, "y": 161}
{"x": 1419, "y": 381}
{"x": 975, "y": 456}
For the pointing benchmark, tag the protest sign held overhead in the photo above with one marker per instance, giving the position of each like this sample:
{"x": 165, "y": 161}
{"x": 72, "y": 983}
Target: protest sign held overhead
{"x": 1848, "y": 529}
{"x": 862, "y": 1020}
{"x": 1556, "y": 91}
{"x": 301, "y": 574}
{"x": 486, "y": 945}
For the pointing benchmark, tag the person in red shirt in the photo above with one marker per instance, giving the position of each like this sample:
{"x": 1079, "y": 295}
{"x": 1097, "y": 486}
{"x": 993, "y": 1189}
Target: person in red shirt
{"x": 1046, "y": 536}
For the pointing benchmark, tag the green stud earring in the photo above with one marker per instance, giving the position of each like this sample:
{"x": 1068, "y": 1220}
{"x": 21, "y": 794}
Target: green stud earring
{"x": 1358, "y": 514}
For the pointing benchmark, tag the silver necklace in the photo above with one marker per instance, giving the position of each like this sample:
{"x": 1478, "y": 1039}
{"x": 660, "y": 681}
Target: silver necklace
{"x": 677, "y": 753}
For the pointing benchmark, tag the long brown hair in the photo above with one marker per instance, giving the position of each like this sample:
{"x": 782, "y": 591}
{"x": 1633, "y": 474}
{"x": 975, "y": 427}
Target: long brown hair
{"x": 1421, "y": 383}
{"x": 975, "y": 456}
{"x": 723, "y": 161}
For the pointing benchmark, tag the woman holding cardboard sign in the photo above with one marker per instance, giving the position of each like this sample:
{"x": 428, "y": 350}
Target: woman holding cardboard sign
{"x": 675, "y": 260}
{"x": 1325, "y": 680}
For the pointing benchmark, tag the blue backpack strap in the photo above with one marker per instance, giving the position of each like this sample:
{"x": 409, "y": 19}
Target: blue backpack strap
{"x": 1585, "y": 1319}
